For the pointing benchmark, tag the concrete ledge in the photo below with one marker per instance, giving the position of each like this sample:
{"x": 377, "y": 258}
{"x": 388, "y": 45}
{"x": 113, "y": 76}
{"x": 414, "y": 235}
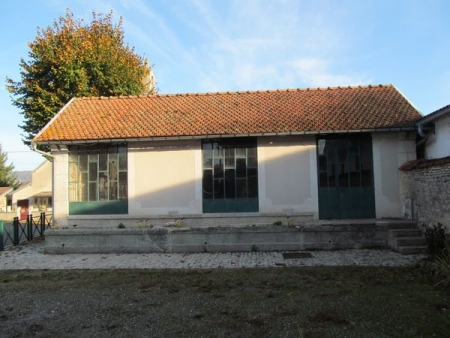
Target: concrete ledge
{"x": 194, "y": 220}
{"x": 215, "y": 239}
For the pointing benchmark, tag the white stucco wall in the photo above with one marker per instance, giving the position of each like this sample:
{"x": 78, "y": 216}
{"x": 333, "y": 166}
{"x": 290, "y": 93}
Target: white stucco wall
{"x": 60, "y": 187}
{"x": 165, "y": 177}
{"x": 438, "y": 143}
{"x": 42, "y": 178}
{"x": 287, "y": 173}
{"x": 390, "y": 151}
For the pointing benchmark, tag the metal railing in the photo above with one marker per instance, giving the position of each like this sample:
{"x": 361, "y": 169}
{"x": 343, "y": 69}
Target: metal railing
{"x": 19, "y": 231}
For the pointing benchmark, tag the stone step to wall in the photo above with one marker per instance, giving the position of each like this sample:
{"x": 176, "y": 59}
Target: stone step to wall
{"x": 402, "y": 225}
{"x": 411, "y": 241}
{"x": 409, "y": 250}
{"x": 406, "y": 233}
{"x": 406, "y": 238}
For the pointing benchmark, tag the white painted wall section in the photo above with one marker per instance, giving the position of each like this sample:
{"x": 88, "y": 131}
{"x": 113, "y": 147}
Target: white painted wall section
{"x": 287, "y": 173}
{"x": 164, "y": 178}
{"x": 438, "y": 143}
{"x": 390, "y": 151}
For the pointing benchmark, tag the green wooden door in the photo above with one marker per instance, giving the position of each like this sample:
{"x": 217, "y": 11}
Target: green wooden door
{"x": 345, "y": 175}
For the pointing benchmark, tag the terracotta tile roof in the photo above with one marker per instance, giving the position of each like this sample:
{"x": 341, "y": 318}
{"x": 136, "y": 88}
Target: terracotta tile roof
{"x": 425, "y": 164}
{"x": 4, "y": 190}
{"x": 231, "y": 113}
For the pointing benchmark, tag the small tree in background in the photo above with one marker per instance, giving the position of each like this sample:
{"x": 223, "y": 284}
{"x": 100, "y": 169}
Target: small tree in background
{"x": 7, "y": 176}
{"x": 70, "y": 59}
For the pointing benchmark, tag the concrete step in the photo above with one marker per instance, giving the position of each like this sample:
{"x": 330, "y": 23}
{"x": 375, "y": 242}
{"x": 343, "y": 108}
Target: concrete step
{"x": 411, "y": 241}
{"x": 408, "y": 250}
{"x": 406, "y": 233}
{"x": 403, "y": 225}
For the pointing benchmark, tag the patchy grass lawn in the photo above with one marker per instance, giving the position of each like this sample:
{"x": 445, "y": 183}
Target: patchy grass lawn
{"x": 278, "y": 302}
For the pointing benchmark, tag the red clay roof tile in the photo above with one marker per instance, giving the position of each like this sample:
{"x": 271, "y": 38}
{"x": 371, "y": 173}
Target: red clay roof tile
{"x": 231, "y": 113}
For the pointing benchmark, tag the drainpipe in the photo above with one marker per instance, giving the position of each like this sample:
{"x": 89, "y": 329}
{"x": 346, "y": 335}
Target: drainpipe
{"x": 422, "y": 134}
{"x": 34, "y": 146}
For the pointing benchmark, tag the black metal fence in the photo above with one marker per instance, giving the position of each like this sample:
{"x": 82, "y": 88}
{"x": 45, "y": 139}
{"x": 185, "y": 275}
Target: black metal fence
{"x": 19, "y": 231}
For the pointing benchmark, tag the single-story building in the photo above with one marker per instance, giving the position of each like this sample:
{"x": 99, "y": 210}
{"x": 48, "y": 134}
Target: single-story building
{"x": 35, "y": 196}
{"x": 325, "y": 153}
{"x": 4, "y": 191}
{"x": 425, "y": 182}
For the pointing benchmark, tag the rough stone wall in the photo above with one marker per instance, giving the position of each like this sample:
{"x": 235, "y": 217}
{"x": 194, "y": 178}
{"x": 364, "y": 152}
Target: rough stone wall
{"x": 426, "y": 194}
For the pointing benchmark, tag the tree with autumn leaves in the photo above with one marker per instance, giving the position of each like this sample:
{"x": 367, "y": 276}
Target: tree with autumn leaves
{"x": 73, "y": 59}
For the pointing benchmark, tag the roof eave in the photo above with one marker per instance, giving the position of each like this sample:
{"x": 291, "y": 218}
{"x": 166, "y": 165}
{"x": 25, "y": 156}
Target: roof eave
{"x": 212, "y": 136}
{"x": 433, "y": 116}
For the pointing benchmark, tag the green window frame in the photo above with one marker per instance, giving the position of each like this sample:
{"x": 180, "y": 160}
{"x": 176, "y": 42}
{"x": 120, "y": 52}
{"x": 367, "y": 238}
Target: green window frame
{"x": 98, "y": 179}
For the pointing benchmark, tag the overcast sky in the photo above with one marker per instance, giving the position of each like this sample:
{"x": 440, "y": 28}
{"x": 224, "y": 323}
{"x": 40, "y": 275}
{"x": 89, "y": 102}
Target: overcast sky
{"x": 230, "y": 45}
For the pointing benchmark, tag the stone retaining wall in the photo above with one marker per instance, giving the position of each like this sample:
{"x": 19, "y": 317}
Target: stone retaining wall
{"x": 215, "y": 239}
{"x": 426, "y": 191}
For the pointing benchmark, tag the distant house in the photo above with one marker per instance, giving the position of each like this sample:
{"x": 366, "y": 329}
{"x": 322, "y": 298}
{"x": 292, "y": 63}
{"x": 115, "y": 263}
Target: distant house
{"x": 326, "y": 153}
{"x": 426, "y": 181}
{"x": 34, "y": 196}
{"x": 4, "y": 191}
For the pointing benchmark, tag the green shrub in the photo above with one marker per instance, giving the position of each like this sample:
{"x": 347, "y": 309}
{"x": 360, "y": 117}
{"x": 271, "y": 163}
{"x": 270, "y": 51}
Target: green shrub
{"x": 278, "y": 223}
{"x": 178, "y": 223}
{"x": 442, "y": 266}
{"x": 435, "y": 237}
{"x": 121, "y": 226}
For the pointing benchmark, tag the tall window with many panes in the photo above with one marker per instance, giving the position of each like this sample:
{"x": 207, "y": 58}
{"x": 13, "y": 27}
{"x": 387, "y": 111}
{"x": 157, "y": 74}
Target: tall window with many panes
{"x": 230, "y": 175}
{"x": 98, "y": 179}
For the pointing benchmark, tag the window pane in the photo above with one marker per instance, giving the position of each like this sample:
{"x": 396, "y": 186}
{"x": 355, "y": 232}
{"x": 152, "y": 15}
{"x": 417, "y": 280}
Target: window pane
{"x": 252, "y": 158}
{"x": 322, "y": 163}
{"x": 207, "y": 184}
{"x": 102, "y": 186}
{"x": 240, "y": 167}
{"x": 93, "y": 157}
{"x": 230, "y": 190}
{"x": 103, "y": 161}
{"x": 83, "y": 186}
{"x": 92, "y": 191}
{"x": 253, "y": 187}
{"x": 355, "y": 180}
{"x": 240, "y": 152}
{"x": 241, "y": 188}
{"x": 207, "y": 159}
{"x": 123, "y": 158}
{"x": 73, "y": 172}
{"x": 92, "y": 171}
{"x": 73, "y": 195}
{"x": 218, "y": 168}
{"x": 252, "y": 172}
{"x": 112, "y": 170}
{"x": 229, "y": 158}
{"x": 73, "y": 156}
{"x": 83, "y": 161}
{"x": 123, "y": 185}
{"x": 218, "y": 150}
{"x": 112, "y": 191}
{"x": 219, "y": 188}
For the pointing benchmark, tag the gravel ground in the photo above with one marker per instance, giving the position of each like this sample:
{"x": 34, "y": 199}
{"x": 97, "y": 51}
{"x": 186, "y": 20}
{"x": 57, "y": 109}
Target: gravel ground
{"x": 31, "y": 256}
{"x": 333, "y": 294}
